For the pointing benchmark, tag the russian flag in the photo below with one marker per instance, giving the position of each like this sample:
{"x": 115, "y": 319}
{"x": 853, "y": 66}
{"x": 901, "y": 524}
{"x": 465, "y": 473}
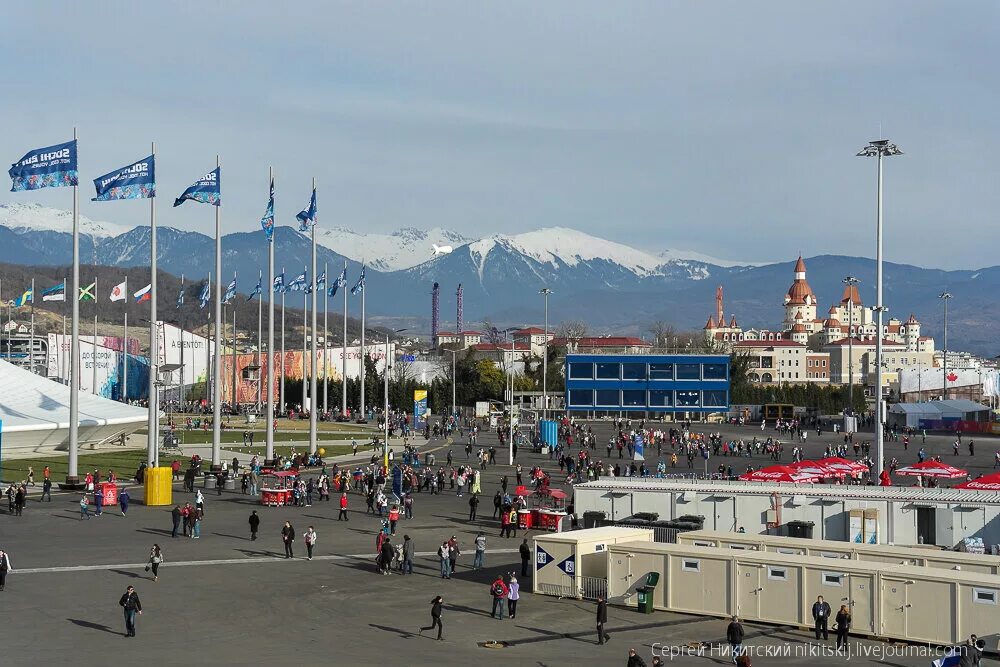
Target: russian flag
{"x": 143, "y": 294}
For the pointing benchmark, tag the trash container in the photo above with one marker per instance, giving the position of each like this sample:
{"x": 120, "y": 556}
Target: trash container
{"x": 646, "y": 593}
{"x": 209, "y": 481}
{"x": 230, "y": 484}
{"x": 429, "y": 459}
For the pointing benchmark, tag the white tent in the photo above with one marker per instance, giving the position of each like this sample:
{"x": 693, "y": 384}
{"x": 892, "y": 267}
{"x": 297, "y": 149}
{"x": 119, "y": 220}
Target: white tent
{"x": 35, "y": 414}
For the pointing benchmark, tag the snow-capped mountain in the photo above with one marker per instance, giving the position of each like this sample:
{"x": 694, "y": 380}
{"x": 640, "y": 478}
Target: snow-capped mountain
{"x": 35, "y": 218}
{"x": 403, "y": 249}
{"x": 672, "y": 255}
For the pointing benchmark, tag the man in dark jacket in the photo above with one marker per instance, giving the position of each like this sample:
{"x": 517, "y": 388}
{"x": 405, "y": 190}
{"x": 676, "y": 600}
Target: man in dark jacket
{"x": 436, "y": 605}
{"x": 473, "y": 506}
{"x": 385, "y": 556}
{"x": 734, "y": 637}
{"x": 969, "y": 653}
{"x": 821, "y": 612}
{"x": 602, "y": 618}
{"x": 254, "y": 525}
{"x": 525, "y": 551}
{"x": 408, "y": 553}
{"x": 129, "y": 602}
{"x": 634, "y": 660}
{"x": 288, "y": 537}
{"x": 175, "y": 518}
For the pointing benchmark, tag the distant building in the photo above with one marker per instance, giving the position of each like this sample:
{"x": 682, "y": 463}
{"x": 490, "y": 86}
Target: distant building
{"x": 463, "y": 339}
{"x": 602, "y": 344}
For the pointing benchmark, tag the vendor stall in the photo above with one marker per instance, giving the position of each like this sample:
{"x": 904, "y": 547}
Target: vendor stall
{"x": 552, "y": 510}
{"x": 276, "y": 488}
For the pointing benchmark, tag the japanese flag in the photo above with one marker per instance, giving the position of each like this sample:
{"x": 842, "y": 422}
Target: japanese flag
{"x": 119, "y": 292}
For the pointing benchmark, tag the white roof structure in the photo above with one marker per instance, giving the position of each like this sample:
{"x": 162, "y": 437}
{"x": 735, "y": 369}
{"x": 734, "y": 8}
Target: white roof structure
{"x": 35, "y": 413}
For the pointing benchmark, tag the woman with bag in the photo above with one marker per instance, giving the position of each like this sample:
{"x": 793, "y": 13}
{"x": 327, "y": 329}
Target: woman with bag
{"x": 843, "y": 626}
{"x": 155, "y": 558}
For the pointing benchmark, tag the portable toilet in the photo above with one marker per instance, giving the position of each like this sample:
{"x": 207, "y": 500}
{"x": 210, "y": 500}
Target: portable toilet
{"x": 575, "y": 563}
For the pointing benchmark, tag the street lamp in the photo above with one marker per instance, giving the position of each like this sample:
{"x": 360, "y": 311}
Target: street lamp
{"x": 545, "y": 292}
{"x": 851, "y": 283}
{"x": 878, "y": 149}
{"x": 944, "y": 296}
{"x": 454, "y": 378}
{"x": 385, "y": 415}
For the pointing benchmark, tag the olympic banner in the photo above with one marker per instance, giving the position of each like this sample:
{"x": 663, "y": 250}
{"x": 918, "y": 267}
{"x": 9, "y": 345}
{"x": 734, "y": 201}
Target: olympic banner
{"x": 136, "y": 181}
{"x": 208, "y": 190}
{"x": 419, "y": 408}
{"x": 49, "y": 167}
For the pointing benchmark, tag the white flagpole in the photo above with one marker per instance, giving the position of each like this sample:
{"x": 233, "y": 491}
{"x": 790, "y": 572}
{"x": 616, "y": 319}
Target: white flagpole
{"x": 343, "y": 355}
{"x": 236, "y": 398}
{"x": 314, "y": 406}
{"x": 217, "y": 362}
{"x": 72, "y": 477}
{"x": 363, "y": 413}
{"x": 182, "y": 388}
{"x": 124, "y": 395}
{"x": 62, "y": 352}
{"x": 269, "y": 430}
{"x": 281, "y": 389}
{"x": 326, "y": 343}
{"x": 208, "y": 346}
{"x": 31, "y": 340}
{"x": 260, "y": 311}
{"x": 152, "y": 445}
{"x": 305, "y": 336}
{"x": 93, "y": 356}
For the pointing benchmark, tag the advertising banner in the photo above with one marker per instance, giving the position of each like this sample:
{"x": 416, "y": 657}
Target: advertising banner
{"x": 49, "y": 167}
{"x": 136, "y": 181}
{"x": 419, "y": 408}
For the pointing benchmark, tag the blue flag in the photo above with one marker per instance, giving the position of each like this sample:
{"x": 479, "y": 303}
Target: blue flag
{"x": 267, "y": 222}
{"x": 206, "y": 293}
{"x": 49, "y": 167}
{"x": 279, "y": 283}
{"x": 307, "y": 217}
{"x": 340, "y": 282}
{"x": 360, "y": 285}
{"x": 180, "y": 298}
{"x": 55, "y": 293}
{"x": 136, "y": 181}
{"x": 256, "y": 290}
{"x": 298, "y": 283}
{"x": 230, "y": 290}
{"x": 27, "y": 297}
{"x": 321, "y": 281}
{"x": 208, "y": 190}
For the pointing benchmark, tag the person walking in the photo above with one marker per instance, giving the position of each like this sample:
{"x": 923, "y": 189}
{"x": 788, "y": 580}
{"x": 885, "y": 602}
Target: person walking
{"x": 130, "y": 603}
{"x": 499, "y": 590}
{"x": 393, "y": 519}
{"x": 602, "y": 618}
{"x": 19, "y": 498}
{"x": 479, "y": 560}
{"x": 84, "y": 508}
{"x": 199, "y": 501}
{"x": 525, "y": 552}
{"x": 46, "y": 490}
{"x": 310, "y": 539}
{"x": 473, "y": 506}
{"x": 734, "y": 637}
{"x": 843, "y": 626}
{"x": 175, "y": 519}
{"x": 196, "y": 525}
{"x": 513, "y": 595}
{"x": 436, "y": 607}
{"x": 821, "y": 613}
{"x": 408, "y": 551}
{"x": 123, "y": 499}
{"x": 155, "y": 558}
{"x": 254, "y": 522}
{"x": 444, "y": 556}
{"x": 288, "y": 537}
{"x": 343, "y": 508}
{"x": 5, "y": 568}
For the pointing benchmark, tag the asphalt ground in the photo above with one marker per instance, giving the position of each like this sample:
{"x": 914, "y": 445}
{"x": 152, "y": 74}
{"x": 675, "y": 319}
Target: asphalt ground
{"x": 224, "y": 600}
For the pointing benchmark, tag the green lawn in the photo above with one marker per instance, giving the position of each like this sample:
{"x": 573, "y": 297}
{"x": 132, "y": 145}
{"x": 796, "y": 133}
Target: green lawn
{"x": 201, "y": 437}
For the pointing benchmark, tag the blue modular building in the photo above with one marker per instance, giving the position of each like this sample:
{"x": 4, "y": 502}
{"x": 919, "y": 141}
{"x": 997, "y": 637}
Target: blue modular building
{"x": 647, "y": 382}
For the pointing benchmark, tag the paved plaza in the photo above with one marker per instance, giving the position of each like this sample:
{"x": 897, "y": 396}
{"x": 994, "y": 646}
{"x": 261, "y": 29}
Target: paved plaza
{"x": 224, "y": 600}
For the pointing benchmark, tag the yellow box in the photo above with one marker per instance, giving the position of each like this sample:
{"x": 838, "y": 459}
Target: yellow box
{"x": 159, "y": 486}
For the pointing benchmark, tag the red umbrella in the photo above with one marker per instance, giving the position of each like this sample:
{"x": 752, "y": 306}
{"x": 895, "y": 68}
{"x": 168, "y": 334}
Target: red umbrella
{"x": 779, "y": 473}
{"x": 816, "y": 468}
{"x": 984, "y": 483}
{"x": 847, "y": 466}
{"x": 932, "y": 469}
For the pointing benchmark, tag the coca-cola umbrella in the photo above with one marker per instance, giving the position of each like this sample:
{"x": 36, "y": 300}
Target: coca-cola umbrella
{"x": 853, "y": 468}
{"x": 817, "y": 468}
{"x": 932, "y": 469}
{"x": 780, "y": 473}
{"x": 984, "y": 483}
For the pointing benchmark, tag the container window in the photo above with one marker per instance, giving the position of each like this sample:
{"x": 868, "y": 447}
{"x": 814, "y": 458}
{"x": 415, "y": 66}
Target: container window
{"x": 701, "y": 543}
{"x": 984, "y": 596}
{"x": 691, "y": 565}
{"x": 608, "y": 371}
{"x": 777, "y": 573}
{"x": 715, "y": 398}
{"x": 833, "y": 579}
{"x": 581, "y": 397}
{"x": 713, "y": 371}
{"x": 688, "y": 399}
{"x": 661, "y": 371}
{"x": 661, "y": 398}
{"x": 633, "y": 398}
{"x": 608, "y": 397}
{"x": 633, "y": 371}
{"x": 688, "y": 371}
{"x": 738, "y": 547}
{"x": 581, "y": 371}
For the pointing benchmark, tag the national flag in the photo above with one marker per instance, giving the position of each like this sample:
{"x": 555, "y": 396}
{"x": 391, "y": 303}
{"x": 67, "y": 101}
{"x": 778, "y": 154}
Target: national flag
{"x": 118, "y": 293}
{"x": 143, "y": 294}
{"x": 25, "y": 298}
{"x": 136, "y": 181}
{"x": 230, "y": 290}
{"x": 180, "y": 298}
{"x": 256, "y": 290}
{"x": 340, "y": 282}
{"x": 298, "y": 283}
{"x": 307, "y": 217}
{"x": 279, "y": 283}
{"x": 321, "y": 281}
{"x": 49, "y": 167}
{"x": 207, "y": 190}
{"x": 88, "y": 293}
{"x": 55, "y": 293}
{"x": 206, "y": 292}
{"x": 267, "y": 222}
{"x": 308, "y": 289}
{"x": 360, "y": 285}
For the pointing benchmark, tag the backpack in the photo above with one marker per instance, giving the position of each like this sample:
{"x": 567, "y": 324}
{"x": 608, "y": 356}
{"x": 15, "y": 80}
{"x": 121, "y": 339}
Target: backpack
{"x": 497, "y": 590}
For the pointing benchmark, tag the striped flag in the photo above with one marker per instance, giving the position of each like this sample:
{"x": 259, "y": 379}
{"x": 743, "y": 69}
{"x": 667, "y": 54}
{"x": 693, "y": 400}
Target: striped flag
{"x": 143, "y": 294}
{"x": 55, "y": 293}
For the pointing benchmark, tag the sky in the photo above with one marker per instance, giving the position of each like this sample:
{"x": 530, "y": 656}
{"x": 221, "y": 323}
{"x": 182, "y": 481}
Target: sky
{"x": 726, "y": 128}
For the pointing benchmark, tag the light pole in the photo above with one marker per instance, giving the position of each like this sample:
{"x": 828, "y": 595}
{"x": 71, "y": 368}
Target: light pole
{"x": 545, "y": 292}
{"x": 878, "y": 149}
{"x": 851, "y": 283}
{"x": 454, "y": 379}
{"x": 385, "y": 415}
{"x": 944, "y": 296}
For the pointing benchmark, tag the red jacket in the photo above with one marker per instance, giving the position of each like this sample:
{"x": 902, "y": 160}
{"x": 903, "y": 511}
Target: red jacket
{"x": 498, "y": 588}
{"x": 343, "y": 502}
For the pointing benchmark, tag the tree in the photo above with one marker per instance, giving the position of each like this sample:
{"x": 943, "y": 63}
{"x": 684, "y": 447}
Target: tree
{"x": 571, "y": 329}
{"x": 663, "y": 333}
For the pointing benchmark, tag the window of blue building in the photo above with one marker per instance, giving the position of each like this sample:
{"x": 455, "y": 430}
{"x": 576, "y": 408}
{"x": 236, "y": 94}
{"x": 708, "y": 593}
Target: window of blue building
{"x": 633, "y": 371}
{"x": 581, "y": 396}
{"x": 661, "y": 371}
{"x": 661, "y": 398}
{"x": 688, "y": 371}
{"x": 713, "y": 371}
{"x": 634, "y": 398}
{"x": 607, "y": 397}
{"x": 688, "y": 398}
{"x": 607, "y": 371}
{"x": 581, "y": 371}
{"x": 714, "y": 398}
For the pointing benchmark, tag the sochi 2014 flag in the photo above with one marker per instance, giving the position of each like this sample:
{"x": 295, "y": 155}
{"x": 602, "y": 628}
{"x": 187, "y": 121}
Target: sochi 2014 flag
{"x": 143, "y": 294}
{"x": 49, "y": 167}
{"x": 338, "y": 283}
{"x": 267, "y": 222}
{"x": 256, "y": 290}
{"x": 307, "y": 217}
{"x": 230, "y": 290}
{"x": 208, "y": 190}
{"x": 279, "y": 283}
{"x": 136, "y": 181}
{"x": 206, "y": 293}
{"x": 298, "y": 283}
{"x": 360, "y": 285}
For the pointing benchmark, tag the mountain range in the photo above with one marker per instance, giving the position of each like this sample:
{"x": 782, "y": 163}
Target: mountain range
{"x": 611, "y": 286}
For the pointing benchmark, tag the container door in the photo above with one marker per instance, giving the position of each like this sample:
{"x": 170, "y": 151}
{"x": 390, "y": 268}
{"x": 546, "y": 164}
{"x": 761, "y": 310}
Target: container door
{"x": 861, "y": 600}
{"x": 926, "y": 525}
{"x": 893, "y": 603}
{"x": 748, "y": 591}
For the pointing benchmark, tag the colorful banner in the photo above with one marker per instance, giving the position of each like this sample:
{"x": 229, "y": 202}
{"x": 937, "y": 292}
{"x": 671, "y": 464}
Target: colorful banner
{"x": 208, "y": 190}
{"x": 49, "y": 167}
{"x": 267, "y": 222}
{"x": 136, "y": 181}
{"x": 307, "y": 217}
{"x": 107, "y": 355}
{"x": 419, "y": 408}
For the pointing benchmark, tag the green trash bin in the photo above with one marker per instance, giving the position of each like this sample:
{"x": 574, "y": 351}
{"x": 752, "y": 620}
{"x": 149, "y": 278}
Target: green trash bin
{"x": 646, "y": 593}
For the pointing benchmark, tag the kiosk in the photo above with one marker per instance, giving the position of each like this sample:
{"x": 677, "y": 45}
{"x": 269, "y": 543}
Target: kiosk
{"x": 276, "y": 488}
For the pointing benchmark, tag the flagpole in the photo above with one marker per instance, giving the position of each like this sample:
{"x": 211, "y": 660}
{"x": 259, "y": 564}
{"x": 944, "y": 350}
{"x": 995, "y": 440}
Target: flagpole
{"x": 31, "y": 339}
{"x": 152, "y": 447}
{"x": 236, "y": 400}
{"x": 363, "y": 413}
{"x": 181, "y": 392}
{"x": 93, "y": 356}
{"x": 208, "y": 345}
{"x": 72, "y": 478}
{"x": 343, "y": 355}
{"x": 260, "y": 311}
{"x": 269, "y": 431}
{"x": 313, "y": 367}
{"x": 62, "y": 350}
{"x": 305, "y": 336}
{"x": 281, "y": 393}
{"x": 326, "y": 343}
{"x": 124, "y": 394}
{"x": 217, "y": 363}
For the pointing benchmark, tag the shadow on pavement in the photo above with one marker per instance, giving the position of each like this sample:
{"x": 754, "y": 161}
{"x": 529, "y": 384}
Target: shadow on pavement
{"x": 127, "y": 573}
{"x": 92, "y": 626}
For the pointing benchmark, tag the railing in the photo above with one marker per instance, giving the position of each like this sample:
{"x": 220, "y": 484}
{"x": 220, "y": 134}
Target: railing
{"x": 592, "y": 587}
{"x": 558, "y": 590}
